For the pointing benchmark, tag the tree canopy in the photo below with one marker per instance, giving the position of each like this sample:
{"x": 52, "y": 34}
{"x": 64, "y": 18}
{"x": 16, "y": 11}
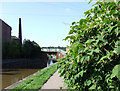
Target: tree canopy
{"x": 29, "y": 49}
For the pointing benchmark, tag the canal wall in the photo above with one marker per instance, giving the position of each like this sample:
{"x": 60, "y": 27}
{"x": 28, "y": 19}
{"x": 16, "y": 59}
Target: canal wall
{"x": 25, "y": 63}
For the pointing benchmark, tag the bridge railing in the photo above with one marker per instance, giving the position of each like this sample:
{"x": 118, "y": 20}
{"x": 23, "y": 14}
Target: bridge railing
{"x": 54, "y": 50}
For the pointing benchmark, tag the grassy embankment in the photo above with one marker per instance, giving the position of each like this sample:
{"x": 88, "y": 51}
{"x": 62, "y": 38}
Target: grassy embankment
{"x": 38, "y": 80}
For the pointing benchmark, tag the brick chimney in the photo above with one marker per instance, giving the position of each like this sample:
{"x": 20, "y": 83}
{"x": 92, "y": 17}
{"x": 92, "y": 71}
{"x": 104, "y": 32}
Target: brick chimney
{"x": 20, "y": 31}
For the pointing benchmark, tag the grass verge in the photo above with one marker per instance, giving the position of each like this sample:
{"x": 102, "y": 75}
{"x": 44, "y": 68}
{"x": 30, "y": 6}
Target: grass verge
{"x": 38, "y": 80}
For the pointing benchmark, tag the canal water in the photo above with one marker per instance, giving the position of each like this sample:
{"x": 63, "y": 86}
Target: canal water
{"x": 10, "y": 76}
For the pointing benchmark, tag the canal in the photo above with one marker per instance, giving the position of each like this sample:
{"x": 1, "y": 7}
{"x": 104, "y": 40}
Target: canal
{"x": 10, "y": 76}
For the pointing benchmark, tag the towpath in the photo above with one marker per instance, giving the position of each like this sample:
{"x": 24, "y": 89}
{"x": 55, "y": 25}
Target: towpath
{"x": 54, "y": 82}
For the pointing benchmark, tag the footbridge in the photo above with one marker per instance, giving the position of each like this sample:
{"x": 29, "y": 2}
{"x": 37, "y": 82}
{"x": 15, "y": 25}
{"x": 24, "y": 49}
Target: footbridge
{"x": 56, "y": 51}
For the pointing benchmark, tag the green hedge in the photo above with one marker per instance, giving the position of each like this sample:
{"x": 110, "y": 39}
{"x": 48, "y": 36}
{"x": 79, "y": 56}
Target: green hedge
{"x": 38, "y": 80}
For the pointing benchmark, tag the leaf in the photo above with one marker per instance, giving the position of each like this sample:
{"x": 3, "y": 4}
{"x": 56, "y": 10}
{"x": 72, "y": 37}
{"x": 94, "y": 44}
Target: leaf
{"x": 104, "y": 57}
{"x": 97, "y": 50}
{"x": 87, "y": 12}
{"x": 91, "y": 25}
{"x": 81, "y": 73}
{"x": 100, "y": 37}
{"x": 116, "y": 72}
{"x": 90, "y": 1}
{"x": 92, "y": 87}
{"x": 88, "y": 82}
{"x": 82, "y": 59}
{"x": 88, "y": 58}
{"x": 91, "y": 53}
{"x": 117, "y": 43}
{"x": 81, "y": 21}
{"x": 77, "y": 75}
{"x": 117, "y": 31}
{"x": 78, "y": 59}
{"x": 66, "y": 38}
{"x": 90, "y": 41}
{"x": 111, "y": 28}
{"x": 117, "y": 50}
{"x": 85, "y": 49}
{"x": 111, "y": 87}
{"x": 71, "y": 37}
{"x": 80, "y": 45}
{"x": 73, "y": 23}
{"x": 72, "y": 31}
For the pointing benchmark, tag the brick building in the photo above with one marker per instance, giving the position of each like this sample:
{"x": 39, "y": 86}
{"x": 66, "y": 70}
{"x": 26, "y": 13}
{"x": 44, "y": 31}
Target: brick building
{"x": 6, "y": 32}
{"x": 59, "y": 55}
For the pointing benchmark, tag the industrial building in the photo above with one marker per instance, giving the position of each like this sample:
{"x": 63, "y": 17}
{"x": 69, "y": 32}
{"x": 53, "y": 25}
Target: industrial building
{"x": 6, "y": 32}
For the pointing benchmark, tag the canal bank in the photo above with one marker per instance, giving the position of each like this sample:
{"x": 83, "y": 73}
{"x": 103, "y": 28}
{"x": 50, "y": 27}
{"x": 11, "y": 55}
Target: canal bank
{"x": 55, "y": 82}
{"x": 36, "y": 80}
{"x": 15, "y": 76}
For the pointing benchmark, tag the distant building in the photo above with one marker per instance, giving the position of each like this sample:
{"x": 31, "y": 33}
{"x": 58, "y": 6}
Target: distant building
{"x": 6, "y": 32}
{"x": 15, "y": 39}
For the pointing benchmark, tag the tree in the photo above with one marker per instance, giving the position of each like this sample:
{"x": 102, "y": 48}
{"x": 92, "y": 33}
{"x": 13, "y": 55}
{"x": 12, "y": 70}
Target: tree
{"x": 31, "y": 49}
{"x": 11, "y": 50}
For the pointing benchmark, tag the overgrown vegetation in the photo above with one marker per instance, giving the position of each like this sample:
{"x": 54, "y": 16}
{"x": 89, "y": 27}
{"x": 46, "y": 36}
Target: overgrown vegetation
{"x": 38, "y": 80}
{"x": 93, "y": 59}
{"x": 29, "y": 49}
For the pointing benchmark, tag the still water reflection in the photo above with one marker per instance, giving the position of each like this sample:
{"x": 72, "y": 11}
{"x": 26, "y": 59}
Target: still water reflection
{"x": 10, "y": 76}
{"x": 49, "y": 62}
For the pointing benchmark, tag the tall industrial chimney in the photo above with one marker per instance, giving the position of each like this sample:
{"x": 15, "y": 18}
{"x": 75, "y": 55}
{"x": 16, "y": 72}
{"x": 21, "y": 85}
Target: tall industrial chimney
{"x": 20, "y": 31}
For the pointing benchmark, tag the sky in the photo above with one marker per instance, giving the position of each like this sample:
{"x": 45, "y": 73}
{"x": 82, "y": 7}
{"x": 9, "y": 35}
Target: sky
{"x": 46, "y": 23}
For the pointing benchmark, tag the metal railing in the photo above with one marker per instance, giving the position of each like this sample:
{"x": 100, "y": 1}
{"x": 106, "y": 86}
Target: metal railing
{"x": 54, "y": 50}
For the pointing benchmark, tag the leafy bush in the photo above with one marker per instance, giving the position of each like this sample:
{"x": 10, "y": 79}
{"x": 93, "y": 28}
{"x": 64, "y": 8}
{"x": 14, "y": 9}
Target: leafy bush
{"x": 93, "y": 60}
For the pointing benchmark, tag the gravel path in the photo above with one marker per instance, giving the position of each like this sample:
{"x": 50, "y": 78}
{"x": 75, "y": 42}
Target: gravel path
{"x": 54, "y": 82}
